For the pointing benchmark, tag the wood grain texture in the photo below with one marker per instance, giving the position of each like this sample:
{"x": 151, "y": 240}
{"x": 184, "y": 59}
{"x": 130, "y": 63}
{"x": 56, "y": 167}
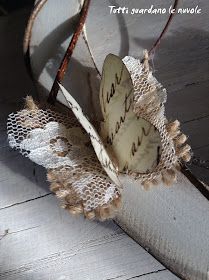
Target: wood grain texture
{"x": 156, "y": 275}
{"x": 45, "y": 242}
{"x": 202, "y": 153}
{"x": 38, "y": 239}
{"x": 20, "y": 179}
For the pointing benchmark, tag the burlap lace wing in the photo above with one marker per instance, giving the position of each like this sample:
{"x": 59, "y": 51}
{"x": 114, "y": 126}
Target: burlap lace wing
{"x": 60, "y": 144}
{"x": 132, "y": 102}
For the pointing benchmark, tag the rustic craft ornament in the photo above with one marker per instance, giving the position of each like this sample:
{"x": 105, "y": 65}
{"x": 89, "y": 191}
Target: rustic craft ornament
{"x": 84, "y": 166}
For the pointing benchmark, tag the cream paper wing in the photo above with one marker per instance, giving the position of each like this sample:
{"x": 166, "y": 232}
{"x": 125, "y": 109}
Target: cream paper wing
{"x": 96, "y": 141}
{"x": 134, "y": 141}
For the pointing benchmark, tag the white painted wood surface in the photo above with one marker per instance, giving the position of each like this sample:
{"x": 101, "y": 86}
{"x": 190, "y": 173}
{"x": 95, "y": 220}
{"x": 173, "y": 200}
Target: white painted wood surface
{"x": 38, "y": 239}
{"x": 172, "y": 223}
{"x": 45, "y": 242}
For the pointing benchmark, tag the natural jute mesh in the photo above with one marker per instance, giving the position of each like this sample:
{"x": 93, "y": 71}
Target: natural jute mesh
{"x": 58, "y": 143}
{"x": 149, "y": 99}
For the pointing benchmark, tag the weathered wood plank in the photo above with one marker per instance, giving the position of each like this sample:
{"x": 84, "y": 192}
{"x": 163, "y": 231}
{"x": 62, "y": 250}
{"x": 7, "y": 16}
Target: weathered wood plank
{"x": 159, "y": 275}
{"x": 190, "y": 103}
{"x": 45, "y": 242}
{"x": 201, "y": 170}
{"x": 20, "y": 179}
{"x": 198, "y": 132}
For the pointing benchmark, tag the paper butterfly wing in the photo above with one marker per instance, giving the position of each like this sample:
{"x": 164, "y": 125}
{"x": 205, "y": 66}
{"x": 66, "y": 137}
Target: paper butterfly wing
{"x": 134, "y": 142}
{"x": 96, "y": 141}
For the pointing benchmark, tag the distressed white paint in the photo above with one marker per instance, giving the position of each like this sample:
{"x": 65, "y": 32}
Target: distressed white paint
{"x": 45, "y": 242}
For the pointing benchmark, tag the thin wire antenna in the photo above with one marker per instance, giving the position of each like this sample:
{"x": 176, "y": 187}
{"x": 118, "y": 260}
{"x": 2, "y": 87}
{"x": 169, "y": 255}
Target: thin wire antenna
{"x": 65, "y": 61}
{"x": 157, "y": 43}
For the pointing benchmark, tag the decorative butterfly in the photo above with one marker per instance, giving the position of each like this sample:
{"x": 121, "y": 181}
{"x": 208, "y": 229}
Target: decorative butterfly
{"x": 134, "y": 140}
